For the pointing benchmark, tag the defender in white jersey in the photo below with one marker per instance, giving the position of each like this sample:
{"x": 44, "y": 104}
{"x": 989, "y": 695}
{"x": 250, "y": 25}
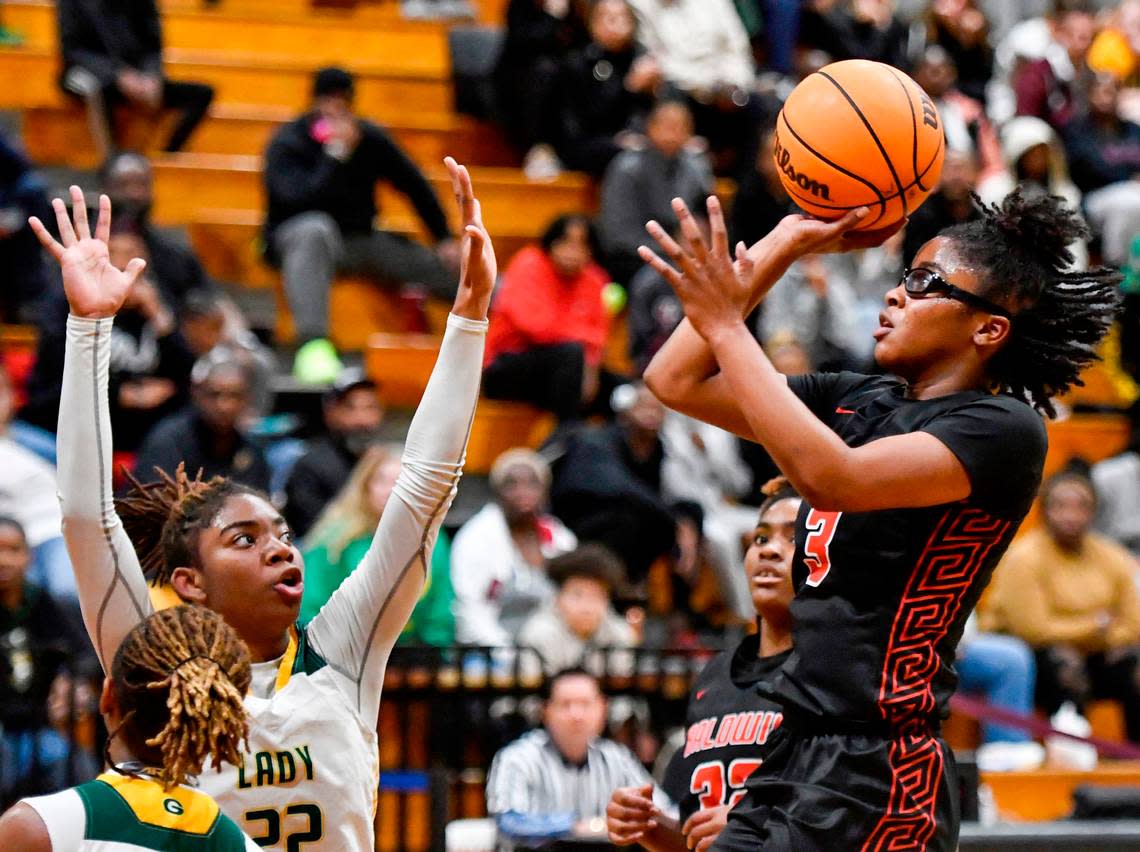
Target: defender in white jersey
{"x": 309, "y": 777}
{"x": 174, "y": 699}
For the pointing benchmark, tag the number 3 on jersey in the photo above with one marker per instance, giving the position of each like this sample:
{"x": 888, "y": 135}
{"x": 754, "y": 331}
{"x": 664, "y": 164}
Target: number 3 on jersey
{"x": 817, "y": 546}
{"x": 714, "y": 785}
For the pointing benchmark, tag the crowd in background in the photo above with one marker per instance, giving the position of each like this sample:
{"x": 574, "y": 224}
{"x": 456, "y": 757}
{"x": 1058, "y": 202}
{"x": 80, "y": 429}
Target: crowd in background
{"x": 629, "y": 526}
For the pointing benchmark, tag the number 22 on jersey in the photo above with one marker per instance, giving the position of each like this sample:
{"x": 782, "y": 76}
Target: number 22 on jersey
{"x": 817, "y": 546}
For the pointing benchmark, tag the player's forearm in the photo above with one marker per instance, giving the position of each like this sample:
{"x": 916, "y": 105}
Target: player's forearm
{"x": 112, "y": 592}
{"x": 805, "y": 449}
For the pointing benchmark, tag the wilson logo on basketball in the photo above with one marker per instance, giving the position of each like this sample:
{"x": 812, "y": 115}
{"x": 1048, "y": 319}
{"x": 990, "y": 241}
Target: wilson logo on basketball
{"x": 802, "y": 180}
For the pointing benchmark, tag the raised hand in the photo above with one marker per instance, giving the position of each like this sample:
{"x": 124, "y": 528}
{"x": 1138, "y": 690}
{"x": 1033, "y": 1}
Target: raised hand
{"x": 94, "y": 287}
{"x": 804, "y": 235}
{"x": 713, "y": 288}
{"x": 477, "y": 267}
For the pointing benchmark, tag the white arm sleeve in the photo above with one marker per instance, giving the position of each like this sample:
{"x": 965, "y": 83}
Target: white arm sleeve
{"x": 355, "y": 631}
{"x": 112, "y": 591}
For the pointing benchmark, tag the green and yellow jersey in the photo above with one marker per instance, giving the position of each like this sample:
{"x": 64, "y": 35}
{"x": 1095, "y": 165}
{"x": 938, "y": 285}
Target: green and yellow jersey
{"x": 118, "y": 813}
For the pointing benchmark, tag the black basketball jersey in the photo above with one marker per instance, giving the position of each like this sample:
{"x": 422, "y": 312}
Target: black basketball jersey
{"x": 726, "y": 726}
{"x": 882, "y": 597}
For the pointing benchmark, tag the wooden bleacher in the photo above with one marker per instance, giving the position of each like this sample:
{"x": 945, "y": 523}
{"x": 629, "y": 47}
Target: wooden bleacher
{"x": 1047, "y": 794}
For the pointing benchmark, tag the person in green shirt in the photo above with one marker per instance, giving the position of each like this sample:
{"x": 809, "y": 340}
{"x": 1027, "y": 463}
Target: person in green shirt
{"x": 343, "y": 533}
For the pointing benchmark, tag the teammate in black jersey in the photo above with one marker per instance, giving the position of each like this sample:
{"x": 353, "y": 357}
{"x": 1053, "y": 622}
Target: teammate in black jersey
{"x": 728, "y": 720}
{"x": 913, "y": 488}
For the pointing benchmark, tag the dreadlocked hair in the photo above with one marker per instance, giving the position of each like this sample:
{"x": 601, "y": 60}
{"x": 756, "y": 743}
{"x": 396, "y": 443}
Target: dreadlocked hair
{"x": 774, "y": 490}
{"x": 1059, "y": 315}
{"x": 163, "y": 518}
{"x": 179, "y": 678}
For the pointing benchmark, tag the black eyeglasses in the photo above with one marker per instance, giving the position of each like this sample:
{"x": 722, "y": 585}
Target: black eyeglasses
{"x": 920, "y": 283}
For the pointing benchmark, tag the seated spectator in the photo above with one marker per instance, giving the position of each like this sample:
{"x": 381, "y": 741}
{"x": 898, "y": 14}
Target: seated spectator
{"x": 1104, "y": 159}
{"x": 112, "y": 56}
{"x": 28, "y": 280}
{"x": 1033, "y": 157}
{"x": 641, "y": 185}
{"x": 816, "y": 305}
{"x": 607, "y": 483}
{"x": 705, "y": 55}
{"x": 964, "y": 121}
{"x": 344, "y": 532}
{"x": 951, "y": 204}
{"x": 724, "y": 693}
{"x": 207, "y": 435}
{"x": 499, "y": 556}
{"x": 564, "y": 772}
{"x": 28, "y": 494}
{"x": 40, "y": 636}
{"x": 321, "y": 171}
{"x": 602, "y": 90}
{"x": 549, "y": 325}
{"x": 1071, "y": 594}
{"x": 128, "y": 180}
{"x": 1117, "y": 482}
{"x": 1116, "y": 48}
{"x": 857, "y": 29}
{"x": 540, "y": 35}
{"x": 352, "y": 416}
{"x": 150, "y": 362}
{"x": 1055, "y": 88}
{"x": 1003, "y": 669}
{"x": 960, "y": 28}
{"x": 578, "y": 627}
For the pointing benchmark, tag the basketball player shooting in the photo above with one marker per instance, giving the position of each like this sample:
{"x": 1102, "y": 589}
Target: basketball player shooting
{"x": 913, "y": 487}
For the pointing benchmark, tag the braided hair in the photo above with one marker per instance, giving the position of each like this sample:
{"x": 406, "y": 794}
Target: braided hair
{"x": 1060, "y": 315}
{"x": 179, "y": 679}
{"x": 774, "y": 490}
{"x": 163, "y": 518}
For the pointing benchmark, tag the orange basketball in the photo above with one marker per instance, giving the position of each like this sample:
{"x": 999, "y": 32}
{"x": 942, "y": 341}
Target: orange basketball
{"x": 859, "y": 133}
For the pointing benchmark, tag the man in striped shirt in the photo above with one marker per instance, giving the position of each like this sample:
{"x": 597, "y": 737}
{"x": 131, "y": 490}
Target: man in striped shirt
{"x": 562, "y": 775}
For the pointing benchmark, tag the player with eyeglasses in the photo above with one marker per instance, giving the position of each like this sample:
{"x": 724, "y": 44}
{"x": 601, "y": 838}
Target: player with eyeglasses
{"x": 914, "y": 483}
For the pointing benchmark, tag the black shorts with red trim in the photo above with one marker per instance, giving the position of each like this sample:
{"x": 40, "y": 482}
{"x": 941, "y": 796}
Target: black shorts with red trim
{"x": 872, "y": 792}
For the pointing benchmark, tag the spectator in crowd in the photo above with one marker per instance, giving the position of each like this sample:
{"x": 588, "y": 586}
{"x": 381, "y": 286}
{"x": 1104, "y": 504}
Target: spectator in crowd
{"x": 603, "y": 89}
{"x": 640, "y": 185}
{"x": 729, "y": 680}
{"x": 1034, "y": 158}
{"x": 856, "y": 29}
{"x": 1104, "y": 158}
{"x": 951, "y": 204}
{"x": 499, "y": 556}
{"x": 654, "y": 311}
{"x": 150, "y": 362}
{"x": 816, "y": 305}
{"x": 1071, "y": 594}
{"x": 579, "y": 626}
{"x": 1116, "y": 48}
{"x": 28, "y": 281}
{"x": 607, "y": 484}
{"x": 39, "y": 637}
{"x": 964, "y": 120}
{"x": 549, "y": 325}
{"x": 112, "y": 56}
{"x": 128, "y": 180}
{"x": 207, "y": 435}
{"x": 1054, "y": 88}
{"x": 343, "y": 533}
{"x": 540, "y": 35}
{"x": 703, "y": 466}
{"x": 705, "y": 55}
{"x": 321, "y": 171}
{"x": 28, "y": 494}
{"x": 1117, "y": 482}
{"x": 352, "y": 417}
{"x": 961, "y": 29}
{"x": 761, "y": 200}
{"x": 1004, "y": 670}
{"x": 564, "y": 772}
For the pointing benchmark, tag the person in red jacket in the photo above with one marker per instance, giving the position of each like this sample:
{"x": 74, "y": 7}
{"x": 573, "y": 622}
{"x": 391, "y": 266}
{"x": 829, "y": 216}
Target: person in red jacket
{"x": 549, "y": 325}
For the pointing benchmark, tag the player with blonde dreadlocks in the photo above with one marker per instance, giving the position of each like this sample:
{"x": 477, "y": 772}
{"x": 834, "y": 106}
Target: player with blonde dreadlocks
{"x": 309, "y": 776}
{"x": 173, "y": 701}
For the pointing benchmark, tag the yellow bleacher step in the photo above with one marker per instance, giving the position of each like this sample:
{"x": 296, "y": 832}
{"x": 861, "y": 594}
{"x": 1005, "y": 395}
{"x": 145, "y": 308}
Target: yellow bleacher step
{"x": 1047, "y": 794}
